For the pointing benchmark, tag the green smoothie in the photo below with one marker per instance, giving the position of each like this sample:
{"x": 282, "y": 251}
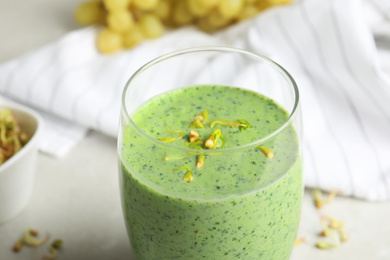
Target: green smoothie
{"x": 240, "y": 205}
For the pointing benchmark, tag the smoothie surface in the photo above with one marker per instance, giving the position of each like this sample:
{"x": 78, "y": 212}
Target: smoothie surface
{"x": 232, "y": 173}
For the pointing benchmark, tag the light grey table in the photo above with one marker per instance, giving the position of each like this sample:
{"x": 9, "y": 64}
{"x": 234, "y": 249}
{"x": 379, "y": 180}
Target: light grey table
{"x": 76, "y": 197}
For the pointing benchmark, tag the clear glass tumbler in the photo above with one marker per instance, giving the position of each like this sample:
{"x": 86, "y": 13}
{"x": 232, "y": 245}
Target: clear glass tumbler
{"x": 210, "y": 157}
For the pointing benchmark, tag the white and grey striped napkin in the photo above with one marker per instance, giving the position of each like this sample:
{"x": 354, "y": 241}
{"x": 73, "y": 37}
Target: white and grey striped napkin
{"x": 337, "y": 50}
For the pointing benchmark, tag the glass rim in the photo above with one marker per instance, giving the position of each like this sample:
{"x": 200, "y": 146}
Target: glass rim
{"x": 257, "y": 56}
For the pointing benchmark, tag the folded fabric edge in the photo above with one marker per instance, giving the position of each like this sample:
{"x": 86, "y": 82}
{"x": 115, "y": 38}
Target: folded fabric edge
{"x": 59, "y": 135}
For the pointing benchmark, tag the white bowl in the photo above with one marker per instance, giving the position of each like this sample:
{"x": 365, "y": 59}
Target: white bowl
{"x": 17, "y": 173}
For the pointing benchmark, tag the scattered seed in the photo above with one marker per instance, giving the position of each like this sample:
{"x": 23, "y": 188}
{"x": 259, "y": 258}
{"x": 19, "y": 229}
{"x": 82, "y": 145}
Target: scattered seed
{"x": 266, "y": 151}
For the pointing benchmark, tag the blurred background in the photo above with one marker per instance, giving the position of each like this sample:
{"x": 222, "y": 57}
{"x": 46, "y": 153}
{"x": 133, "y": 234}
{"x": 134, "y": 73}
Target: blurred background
{"x": 76, "y": 195}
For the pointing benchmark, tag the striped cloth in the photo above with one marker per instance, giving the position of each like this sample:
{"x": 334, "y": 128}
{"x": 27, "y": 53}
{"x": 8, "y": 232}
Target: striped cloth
{"x": 337, "y": 50}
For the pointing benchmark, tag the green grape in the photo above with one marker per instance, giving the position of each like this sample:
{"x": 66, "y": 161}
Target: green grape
{"x": 103, "y": 18}
{"x": 230, "y": 8}
{"x": 151, "y": 26}
{"x": 122, "y": 31}
{"x": 279, "y": 2}
{"x": 262, "y": 5}
{"x": 212, "y": 22}
{"x": 204, "y": 25}
{"x": 181, "y": 15}
{"x": 163, "y": 9}
{"x": 120, "y": 20}
{"x": 208, "y": 3}
{"x": 112, "y": 5}
{"x": 109, "y": 41}
{"x": 216, "y": 20}
{"x": 197, "y": 8}
{"x": 133, "y": 37}
{"x": 145, "y": 4}
{"x": 247, "y": 12}
{"x": 88, "y": 13}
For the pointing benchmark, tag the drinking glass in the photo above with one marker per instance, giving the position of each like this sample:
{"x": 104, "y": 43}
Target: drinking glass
{"x": 244, "y": 201}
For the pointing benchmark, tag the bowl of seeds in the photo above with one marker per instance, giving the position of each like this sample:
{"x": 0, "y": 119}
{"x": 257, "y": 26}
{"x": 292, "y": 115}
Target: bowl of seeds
{"x": 20, "y": 128}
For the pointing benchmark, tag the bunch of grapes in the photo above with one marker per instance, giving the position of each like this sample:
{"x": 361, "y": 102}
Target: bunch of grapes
{"x": 127, "y": 22}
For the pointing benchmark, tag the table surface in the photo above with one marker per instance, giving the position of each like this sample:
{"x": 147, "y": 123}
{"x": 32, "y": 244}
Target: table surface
{"x": 76, "y": 198}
